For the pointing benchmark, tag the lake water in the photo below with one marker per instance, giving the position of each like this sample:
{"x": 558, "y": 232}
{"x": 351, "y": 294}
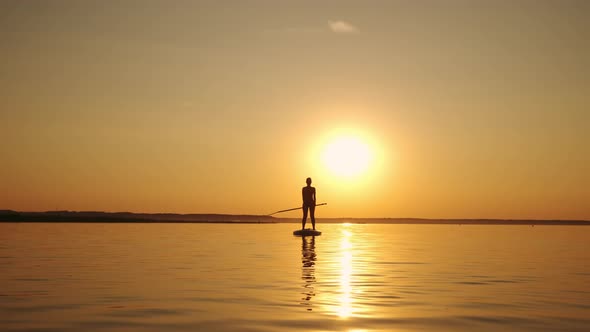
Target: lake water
{"x": 251, "y": 277}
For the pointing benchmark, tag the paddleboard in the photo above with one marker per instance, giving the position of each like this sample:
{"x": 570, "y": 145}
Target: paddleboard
{"x": 306, "y": 232}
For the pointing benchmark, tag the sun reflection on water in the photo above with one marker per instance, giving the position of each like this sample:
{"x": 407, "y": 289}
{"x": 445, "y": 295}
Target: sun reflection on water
{"x": 345, "y": 309}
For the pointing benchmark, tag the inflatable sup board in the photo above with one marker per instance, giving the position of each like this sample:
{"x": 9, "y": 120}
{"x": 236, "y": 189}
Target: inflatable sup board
{"x": 306, "y": 232}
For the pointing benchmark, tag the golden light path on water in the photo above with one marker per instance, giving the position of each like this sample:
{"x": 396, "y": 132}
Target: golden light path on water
{"x": 349, "y": 280}
{"x": 345, "y": 309}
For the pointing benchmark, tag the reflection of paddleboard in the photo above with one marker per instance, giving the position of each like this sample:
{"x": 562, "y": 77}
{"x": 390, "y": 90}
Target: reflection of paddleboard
{"x": 306, "y": 232}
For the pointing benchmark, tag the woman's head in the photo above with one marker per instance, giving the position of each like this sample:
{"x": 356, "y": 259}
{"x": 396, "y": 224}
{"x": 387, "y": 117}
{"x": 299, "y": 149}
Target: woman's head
{"x": 308, "y": 181}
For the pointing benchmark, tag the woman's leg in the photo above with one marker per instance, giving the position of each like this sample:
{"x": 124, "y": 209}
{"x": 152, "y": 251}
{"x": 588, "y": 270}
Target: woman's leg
{"x": 312, "y": 215}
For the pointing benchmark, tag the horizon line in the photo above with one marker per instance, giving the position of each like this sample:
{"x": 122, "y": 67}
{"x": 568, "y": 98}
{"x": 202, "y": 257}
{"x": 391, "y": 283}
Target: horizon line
{"x": 274, "y": 217}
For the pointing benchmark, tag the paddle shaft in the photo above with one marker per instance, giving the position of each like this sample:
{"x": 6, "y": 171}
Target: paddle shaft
{"x": 293, "y": 209}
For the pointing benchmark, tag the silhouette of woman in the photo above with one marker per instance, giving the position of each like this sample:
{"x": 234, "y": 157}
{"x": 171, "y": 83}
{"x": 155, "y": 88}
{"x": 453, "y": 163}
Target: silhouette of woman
{"x": 308, "y": 195}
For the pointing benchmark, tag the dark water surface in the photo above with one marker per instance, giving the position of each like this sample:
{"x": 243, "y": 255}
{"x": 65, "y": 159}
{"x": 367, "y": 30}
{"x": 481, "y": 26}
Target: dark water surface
{"x": 354, "y": 277}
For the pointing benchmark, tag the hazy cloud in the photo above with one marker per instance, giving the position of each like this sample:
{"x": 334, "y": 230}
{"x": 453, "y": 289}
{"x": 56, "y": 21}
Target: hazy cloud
{"x": 342, "y": 27}
{"x": 338, "y": 26}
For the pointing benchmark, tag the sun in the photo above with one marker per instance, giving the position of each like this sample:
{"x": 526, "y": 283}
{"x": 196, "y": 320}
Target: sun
{"x": 347, "y": 156}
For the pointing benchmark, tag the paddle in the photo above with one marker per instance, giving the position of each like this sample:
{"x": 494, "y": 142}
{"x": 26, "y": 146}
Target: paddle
{"x": 293, "y": 209}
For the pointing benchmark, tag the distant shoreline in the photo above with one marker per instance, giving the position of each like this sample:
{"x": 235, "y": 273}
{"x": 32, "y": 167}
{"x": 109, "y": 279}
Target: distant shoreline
{"x": 128, "y": 217}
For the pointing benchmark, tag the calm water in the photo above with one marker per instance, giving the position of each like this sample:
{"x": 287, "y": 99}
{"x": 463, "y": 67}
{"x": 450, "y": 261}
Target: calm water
{"x": 357, "y": 277}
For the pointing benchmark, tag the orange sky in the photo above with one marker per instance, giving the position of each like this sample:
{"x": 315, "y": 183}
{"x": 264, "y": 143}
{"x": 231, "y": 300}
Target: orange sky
{"x": 470, "y": 109}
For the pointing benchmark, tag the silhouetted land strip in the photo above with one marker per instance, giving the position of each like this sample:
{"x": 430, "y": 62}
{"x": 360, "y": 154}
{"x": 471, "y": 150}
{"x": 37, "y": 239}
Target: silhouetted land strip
{"x": 114, "y": 217}
{"x": 106, "y": 217}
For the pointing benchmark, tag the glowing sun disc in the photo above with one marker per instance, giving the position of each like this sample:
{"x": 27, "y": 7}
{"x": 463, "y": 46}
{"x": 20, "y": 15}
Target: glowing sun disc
{"x": 347, "y": 156}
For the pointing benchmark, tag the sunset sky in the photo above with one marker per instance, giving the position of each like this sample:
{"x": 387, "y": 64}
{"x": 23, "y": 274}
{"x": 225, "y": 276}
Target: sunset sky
{"x": 452, "y": 109}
